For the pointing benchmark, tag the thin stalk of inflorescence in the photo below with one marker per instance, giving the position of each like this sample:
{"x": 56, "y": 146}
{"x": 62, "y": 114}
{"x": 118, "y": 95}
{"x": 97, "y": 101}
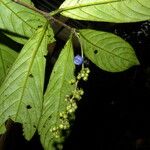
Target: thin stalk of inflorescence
{"x": 81, "y": 45}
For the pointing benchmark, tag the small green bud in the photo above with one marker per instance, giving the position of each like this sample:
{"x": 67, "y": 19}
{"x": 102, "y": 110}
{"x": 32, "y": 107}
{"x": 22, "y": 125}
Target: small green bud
{"x": 87, "y": 70}
{"x": 86, "y": 75}
{"x": 68, "y": 107}
{"x": 71, "y": 110}
{"x": 66, "y": 126}
{"x": 72, "y": 81}
{"x": 79, "y": 76}
{"x": 82, "y": 74}
{"x": 51, "y": 130}
{"x": 85, "y": 78}
{"x": 65, "y": 116}
{"x": 81, "y": 92}
{"x": 59, "y": 146}
{"x": 61, "y": 126}
{"x": 57, "y": 136}
{"x": 74, "y": 105}
{"x": 61, "y": 114}
{"x": 71, "y": 101}
{"x": 54, "y": 129}
{"x": 66, "y": 100}
{"x": 77, "y": 96}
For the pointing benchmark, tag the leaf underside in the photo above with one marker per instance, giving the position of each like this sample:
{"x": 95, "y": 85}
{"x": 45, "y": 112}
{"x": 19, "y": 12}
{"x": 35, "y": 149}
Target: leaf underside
{"x": 7, "y": 57}
{"x": 19, "y": 21}
{"x": 27, "y": 1}
{"x": 107, "y": 51}
{"x": 118, "y": 12}
{"x": 54, "y": 99}
{"x": 21, "y": 94}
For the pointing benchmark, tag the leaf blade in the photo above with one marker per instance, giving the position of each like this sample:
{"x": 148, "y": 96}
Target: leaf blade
{"x": 7, "y": 57}
{"x": 20, "y": 21}
{"x": 107, "y": 51}
{"x": 119, "y": 12}
{"x": 21, "y": 94}
{"x": 55, "y": 94}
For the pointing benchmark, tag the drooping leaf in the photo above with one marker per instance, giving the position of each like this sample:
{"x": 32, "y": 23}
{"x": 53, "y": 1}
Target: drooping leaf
{"x": 21, "y": 93}
{"x": 54, "y": 99}
{"x": 107, "y": 51}
{"x": 110, "y": 11}
{"x": 19, "y": 22}
{"x": 7, "y": 57}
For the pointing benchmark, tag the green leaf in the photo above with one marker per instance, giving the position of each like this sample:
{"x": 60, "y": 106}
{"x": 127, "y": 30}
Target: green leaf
{"x": 110, "y": 11}
{"x": 107, "y": 51}
{"x": 7, "y": 57}
{"x": 27, "y": 1}
{"x": 21, "y": 93}
{"x": 17, "y": 38}
{"x": 20, "y": 21}
{"x": 54, "y": 99}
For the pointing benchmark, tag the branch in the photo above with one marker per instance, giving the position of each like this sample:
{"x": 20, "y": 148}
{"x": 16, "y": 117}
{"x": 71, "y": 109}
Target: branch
{"x": 45, "y": 14}
{"x": 30, "y": 7}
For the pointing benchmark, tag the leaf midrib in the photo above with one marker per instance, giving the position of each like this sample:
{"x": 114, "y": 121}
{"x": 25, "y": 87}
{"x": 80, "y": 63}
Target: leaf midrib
{"x": 2, "y": 60}
{"x": 18, "y": 15}
{"x": 104, "y": 49}
{"x": 86, "y": 5}
{"x": 30, "y": 66}
{"x": 60, "y": 93}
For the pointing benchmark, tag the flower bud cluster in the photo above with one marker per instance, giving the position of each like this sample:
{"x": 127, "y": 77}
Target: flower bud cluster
{"x": 63, "y": 124}
{"x": 56, "y": 132}
{"x": 78, "y": 94}
{"x": 71, "y": 100}
{"x": 83, "y": 74}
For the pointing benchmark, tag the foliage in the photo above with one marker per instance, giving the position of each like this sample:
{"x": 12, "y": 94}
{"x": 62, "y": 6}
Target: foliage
{"x": 22, "y": 96}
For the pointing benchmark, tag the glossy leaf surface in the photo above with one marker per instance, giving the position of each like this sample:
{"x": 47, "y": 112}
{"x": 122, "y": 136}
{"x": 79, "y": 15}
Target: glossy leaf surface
{"x": 7, "y": 57}
{"x": 18, "y": 21}
{"x": 107, "y": 51}
{"x": 118, "y": 11}
{"x": 54, "y": 99}
{"x": 21, "y": 94}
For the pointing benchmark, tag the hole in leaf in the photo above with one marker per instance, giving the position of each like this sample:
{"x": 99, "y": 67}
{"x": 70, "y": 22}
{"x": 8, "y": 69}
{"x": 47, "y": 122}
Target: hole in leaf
{"x": 28, "y": 107}
{"x": 31, "y": 75}
{"x": 39, "y": 26}
{"x": 45, "y": 56}
{"x": 95, "y": 51}
{"x": 34, "y": 126}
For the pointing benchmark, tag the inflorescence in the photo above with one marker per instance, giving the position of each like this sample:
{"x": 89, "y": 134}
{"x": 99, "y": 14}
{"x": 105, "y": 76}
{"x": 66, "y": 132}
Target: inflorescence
{"x": 72, "y": 99}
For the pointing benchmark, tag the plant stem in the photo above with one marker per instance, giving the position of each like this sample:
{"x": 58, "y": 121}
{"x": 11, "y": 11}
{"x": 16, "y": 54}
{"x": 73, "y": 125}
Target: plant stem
{"x": 57, "y": 11}
{"x": 63, "y": 24}
{"x": 81, "y": 45}
{"x": 46, "y": 15}
{"x": 31, "y": 7}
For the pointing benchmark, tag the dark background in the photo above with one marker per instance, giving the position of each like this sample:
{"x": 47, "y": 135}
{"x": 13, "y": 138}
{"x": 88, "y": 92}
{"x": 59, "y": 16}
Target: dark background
{"x": 114, "y": 112}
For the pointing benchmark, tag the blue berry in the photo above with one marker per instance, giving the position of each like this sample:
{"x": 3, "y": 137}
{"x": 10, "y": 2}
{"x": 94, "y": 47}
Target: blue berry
{"x": 78, "y": 60}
